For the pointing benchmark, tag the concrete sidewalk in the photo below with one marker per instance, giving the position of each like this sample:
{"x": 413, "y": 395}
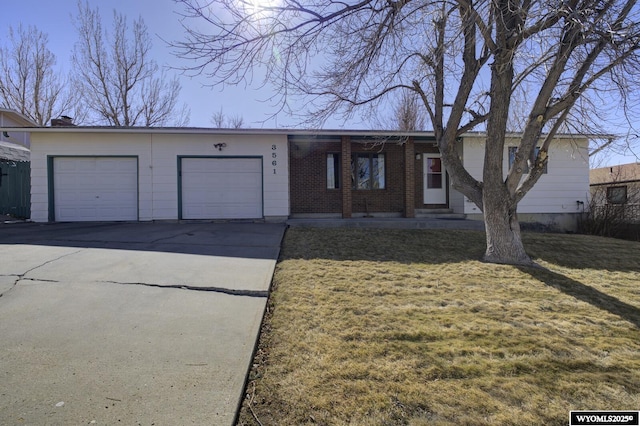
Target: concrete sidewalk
{"x": 389, "y": 223}
{"x": 130, "y": 323}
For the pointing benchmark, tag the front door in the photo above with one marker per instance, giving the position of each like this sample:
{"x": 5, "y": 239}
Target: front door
{"x": 435, "y": 180}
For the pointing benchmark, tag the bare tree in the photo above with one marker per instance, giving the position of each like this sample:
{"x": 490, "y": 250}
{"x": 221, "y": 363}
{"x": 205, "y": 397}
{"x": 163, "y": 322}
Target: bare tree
{"x": 614, "y": 207}
{"x": 29, "y": 82}
{"x": 220, "y": 121}
{"x": 465, "y": 59}
{"x": 114, "y": 71}
{"x": 407, "y": 113}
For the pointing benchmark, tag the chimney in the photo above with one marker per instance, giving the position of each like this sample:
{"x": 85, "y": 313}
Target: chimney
{"x": 63, "y": 121}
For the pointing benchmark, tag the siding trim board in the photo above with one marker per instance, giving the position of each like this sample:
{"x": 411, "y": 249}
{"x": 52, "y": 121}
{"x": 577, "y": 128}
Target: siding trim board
{"x": 617, "y": 182}
{"x": 50, "y": 189}
{"x": 373, "y": 139}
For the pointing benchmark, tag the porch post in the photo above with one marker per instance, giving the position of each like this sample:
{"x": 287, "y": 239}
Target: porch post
{"x": 346, "y": 177}
{"x": 409, "y": 179}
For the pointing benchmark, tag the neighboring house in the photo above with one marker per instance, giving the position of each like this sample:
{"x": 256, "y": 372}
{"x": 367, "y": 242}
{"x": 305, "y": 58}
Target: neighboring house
{"x": 617, "y": 187}
{"x": 14, "y": 145}
{"x": 107, "y": 173}
{"x": 11, "y": 118}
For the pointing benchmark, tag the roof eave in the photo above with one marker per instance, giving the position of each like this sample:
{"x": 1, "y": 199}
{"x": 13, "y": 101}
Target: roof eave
{"x": 22, "y": 119}
{"x": 258, "y": 131}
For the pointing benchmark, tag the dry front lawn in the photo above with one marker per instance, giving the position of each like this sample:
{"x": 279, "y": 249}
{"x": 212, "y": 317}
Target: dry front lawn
{"x": 387, "y": 327}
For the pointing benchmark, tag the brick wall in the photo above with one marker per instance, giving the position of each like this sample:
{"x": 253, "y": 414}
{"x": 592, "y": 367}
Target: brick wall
{"x": 390, "y": 199}
{"x": 409, "y": 178}
{"x": 308, "y": 178}
{"x": 347, "y": 193}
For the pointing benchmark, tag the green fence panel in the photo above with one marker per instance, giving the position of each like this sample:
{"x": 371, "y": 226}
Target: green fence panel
{"x": 15, "y": 189}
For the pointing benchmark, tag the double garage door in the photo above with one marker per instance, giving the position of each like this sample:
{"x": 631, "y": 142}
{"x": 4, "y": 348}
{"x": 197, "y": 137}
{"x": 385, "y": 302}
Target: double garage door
{"x": 106, "y": 188}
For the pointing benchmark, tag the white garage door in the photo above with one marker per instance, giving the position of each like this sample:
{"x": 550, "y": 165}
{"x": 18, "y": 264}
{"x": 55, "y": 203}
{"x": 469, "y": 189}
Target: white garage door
{"x": 95, "y": 188}
{"x": 221, "y": 188}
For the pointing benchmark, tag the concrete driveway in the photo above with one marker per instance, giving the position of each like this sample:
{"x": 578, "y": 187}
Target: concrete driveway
{"x": 135, "y": 323}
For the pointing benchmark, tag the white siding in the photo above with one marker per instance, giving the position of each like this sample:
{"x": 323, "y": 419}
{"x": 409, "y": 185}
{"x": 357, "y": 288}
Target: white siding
{"x": 557, "y": 191}
{"x": 158, "y": 165}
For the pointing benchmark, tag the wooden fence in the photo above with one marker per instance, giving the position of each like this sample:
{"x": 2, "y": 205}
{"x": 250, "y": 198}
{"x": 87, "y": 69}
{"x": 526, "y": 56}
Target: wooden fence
{"x": 15, "y": 188}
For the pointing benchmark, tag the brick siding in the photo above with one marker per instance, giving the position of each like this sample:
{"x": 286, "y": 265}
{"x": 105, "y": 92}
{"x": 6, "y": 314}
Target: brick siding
{"x": 409, "y": 178}
{"x": 308, "y": 178}
{"x": 404, "y": 186}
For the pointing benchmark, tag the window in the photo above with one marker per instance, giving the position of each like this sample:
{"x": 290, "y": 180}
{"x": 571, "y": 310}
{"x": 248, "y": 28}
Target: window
{"x": 617, "y": 194}
{"x": 333, "y": 171}
{"x": 367, "y": 171}
{"x": 434, "y": 173}
{"x": 512, "y": 158}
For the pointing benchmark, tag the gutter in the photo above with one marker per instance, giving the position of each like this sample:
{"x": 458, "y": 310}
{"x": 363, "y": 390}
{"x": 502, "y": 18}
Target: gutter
{"x": 255, "y": 131}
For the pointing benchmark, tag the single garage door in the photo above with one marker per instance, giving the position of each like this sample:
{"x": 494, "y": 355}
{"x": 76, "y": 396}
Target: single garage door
{"x": 221, "y": 188}
{"x": 95, "y": 188}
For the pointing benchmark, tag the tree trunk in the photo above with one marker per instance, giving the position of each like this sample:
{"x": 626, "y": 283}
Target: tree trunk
{"x": 504, "y": 242}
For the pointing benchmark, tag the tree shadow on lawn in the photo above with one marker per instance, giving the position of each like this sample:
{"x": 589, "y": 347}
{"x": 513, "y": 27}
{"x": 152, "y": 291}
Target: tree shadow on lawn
{"x": 583, "y": 251}
{"x": 456, "y": 246}
{"x": 586, "y": 294}
{"x": 438, "y": 246}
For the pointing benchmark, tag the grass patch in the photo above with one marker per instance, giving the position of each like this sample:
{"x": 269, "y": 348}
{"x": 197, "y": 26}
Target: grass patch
{"x": 395, "y": 327}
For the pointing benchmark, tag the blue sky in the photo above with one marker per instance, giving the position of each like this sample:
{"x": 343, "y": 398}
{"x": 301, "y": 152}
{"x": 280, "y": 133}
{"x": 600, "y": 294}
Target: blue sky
{"x": 54, "y": 17}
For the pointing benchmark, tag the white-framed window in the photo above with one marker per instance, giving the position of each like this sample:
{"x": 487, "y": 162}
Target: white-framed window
{"x": 617, "y": 194}
{"x": 333, "y": 171}
{"x": 368, "y": 171}
{"x": 434, "y": 173}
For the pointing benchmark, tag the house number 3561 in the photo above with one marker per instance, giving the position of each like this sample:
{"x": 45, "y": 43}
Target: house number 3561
{"x": 274, "y": 155}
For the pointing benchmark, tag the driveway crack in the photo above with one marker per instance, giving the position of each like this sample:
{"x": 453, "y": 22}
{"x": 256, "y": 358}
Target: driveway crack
{"x": 44, "y": 280}
{"x": 15, "y": 283}
{"x": 51, "y": 261}
{"x": 223, "y": 290}
{"x": 20, "y": 277}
